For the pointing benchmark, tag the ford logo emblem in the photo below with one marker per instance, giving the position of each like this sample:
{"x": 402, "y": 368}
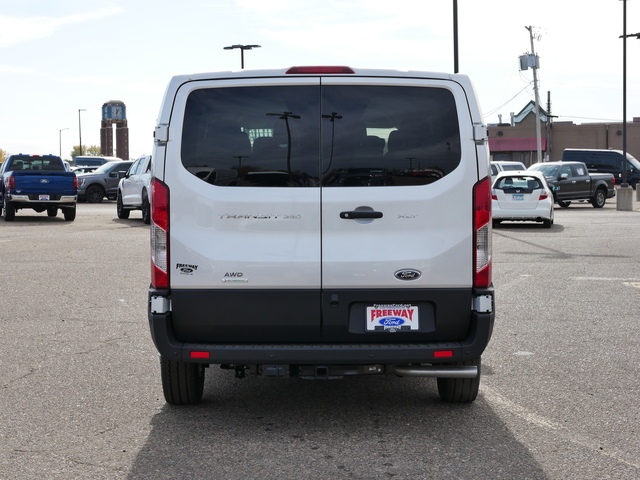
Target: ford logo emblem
{"x": 408, "y": 274}
{"x": 392, "y": 322}
{"x": 44, "y": 180}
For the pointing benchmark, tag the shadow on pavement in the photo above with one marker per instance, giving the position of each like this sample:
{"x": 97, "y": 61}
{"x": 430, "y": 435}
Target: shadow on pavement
{"x": 356, "y": 428}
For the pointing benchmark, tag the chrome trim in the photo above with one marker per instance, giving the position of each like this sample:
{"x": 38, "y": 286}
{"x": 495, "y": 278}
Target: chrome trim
{"x": 440, "y": 371}
{"x": 26, "y": 199}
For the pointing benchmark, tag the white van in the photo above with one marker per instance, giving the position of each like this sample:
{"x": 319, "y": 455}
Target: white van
{"x": 504, "y": 166}
{"x": 320, "y": 222}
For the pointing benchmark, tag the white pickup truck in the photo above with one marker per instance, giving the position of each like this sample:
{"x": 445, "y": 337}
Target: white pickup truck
{"x": 134, "y": 190}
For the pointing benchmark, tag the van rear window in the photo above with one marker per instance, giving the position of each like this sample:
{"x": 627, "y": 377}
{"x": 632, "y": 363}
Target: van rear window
{"x": 311, "y": 136}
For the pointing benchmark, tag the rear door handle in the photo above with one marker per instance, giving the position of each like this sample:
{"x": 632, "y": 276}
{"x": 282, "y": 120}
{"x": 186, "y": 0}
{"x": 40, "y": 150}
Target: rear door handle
{"x": 360, "y": 214}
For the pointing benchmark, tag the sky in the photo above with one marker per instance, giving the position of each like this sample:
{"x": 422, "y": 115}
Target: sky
{"x": 61, "y": 56}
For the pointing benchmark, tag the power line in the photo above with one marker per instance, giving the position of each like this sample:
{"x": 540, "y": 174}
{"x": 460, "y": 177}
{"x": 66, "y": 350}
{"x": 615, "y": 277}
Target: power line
{"x": 495, "y": 110}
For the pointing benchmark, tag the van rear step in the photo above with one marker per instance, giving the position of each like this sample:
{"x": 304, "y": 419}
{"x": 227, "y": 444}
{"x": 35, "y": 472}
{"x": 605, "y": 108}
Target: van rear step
{"x": 329, "y": 372}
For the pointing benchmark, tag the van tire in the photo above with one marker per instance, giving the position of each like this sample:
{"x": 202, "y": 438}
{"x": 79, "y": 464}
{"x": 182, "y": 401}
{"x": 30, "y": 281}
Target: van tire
{"x": 599, "y": 198}
{"x": 564, "y": 204}
{"x": 460, "y": 390}
{"x": 182, "y": 382}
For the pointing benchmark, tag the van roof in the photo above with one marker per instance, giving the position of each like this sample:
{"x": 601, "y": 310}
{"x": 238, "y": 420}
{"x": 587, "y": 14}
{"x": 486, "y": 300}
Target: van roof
{"x": 318, "y": 71}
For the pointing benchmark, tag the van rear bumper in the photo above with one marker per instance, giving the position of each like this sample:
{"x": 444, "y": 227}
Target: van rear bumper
{"x": 351, "y": 353}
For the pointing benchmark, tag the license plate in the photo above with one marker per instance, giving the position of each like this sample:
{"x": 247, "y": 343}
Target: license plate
{"x": 43, "y": 197}
{"x": 518, "y": 198}
{"x": 392, "y": 318}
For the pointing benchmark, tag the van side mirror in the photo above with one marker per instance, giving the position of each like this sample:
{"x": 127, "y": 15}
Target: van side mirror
{"x": 564, "y": 176}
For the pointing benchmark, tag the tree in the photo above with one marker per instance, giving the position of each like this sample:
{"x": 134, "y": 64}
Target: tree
{"x": 91, "y": 151}
{"x": 3, "y": 155}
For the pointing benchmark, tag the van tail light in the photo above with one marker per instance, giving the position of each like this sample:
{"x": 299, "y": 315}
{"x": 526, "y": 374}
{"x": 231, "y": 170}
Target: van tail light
{"x": 12, "y": 183}
{"x": 159, "y": 234}
{"x": 494, "y": 195}
{"x": 482, "y": 234}
{"x": 75, "y": 182}
{"x": 543, "y": 196}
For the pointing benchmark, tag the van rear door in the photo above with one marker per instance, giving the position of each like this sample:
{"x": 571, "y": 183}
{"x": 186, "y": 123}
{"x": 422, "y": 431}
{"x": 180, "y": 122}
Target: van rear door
{"x": 245, "y": 211}
{"x": 398, "y": 174}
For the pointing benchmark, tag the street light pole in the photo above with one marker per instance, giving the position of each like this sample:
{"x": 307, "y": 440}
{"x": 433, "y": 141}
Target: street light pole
{"x": 242, "y": 49}
{"x": 80, "y": 128}
{"x": 624, "y": 200}
{"x": 60, "y": 139}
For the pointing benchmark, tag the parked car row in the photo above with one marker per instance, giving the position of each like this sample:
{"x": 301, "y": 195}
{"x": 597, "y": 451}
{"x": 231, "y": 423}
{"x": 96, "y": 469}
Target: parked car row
{"x": 530, "y": 194}
{"x": 48, "y": 183}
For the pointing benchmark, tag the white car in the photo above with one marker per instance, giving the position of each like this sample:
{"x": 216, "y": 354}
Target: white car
{"x": 134, "y": 190}
{"x": 522, "y": 196}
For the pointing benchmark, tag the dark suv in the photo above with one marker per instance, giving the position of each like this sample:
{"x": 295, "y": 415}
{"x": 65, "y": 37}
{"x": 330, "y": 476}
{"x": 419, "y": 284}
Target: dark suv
{"x": 605, "y": 161}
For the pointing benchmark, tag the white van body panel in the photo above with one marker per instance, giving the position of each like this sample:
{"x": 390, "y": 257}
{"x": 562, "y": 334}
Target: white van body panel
{"x": 427, "y": 228}
{"x": 240, "y": 237}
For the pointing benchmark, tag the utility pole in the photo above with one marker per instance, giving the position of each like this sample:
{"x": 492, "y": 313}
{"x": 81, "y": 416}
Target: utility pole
{"x": 549, "y": 117}
{"x": 537, "y": 97}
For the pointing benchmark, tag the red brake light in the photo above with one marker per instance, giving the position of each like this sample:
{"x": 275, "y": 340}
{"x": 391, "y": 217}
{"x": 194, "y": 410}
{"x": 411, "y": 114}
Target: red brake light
{"x": 159, "y": 234}
{"x": 322, "y": 70}
{"x": 75, "y": 182}
{"x": 543, "y": 196}
{"x": 12, "y": 183}
{"x": 443, "y": 354}
{"x": 199, "y": 354}
{"x": 482, "y": 234}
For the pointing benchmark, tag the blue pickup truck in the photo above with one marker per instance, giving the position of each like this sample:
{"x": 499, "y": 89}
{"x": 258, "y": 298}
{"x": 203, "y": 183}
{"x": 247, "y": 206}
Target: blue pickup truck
{"x": 40, "y": 182}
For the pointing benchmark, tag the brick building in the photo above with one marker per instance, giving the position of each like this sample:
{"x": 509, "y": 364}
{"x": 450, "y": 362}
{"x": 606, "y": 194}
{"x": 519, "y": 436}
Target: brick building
{"x": 516, "y": 141}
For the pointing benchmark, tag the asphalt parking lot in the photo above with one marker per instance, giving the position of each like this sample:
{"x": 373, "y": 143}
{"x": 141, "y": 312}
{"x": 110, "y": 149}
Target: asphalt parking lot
{"x": 81, "y": 395}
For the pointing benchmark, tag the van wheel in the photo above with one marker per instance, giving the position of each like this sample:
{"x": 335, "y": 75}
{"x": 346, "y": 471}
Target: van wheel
{"x": 123, "y": 213}
{"x": 94, "y": 194}
{"x": 460, "y": 390}
{"x": 182, "y": 382}
{"x": 564, "y": 204}
{"x": 146, "y": 209}
{"x": 599, "y": 199}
